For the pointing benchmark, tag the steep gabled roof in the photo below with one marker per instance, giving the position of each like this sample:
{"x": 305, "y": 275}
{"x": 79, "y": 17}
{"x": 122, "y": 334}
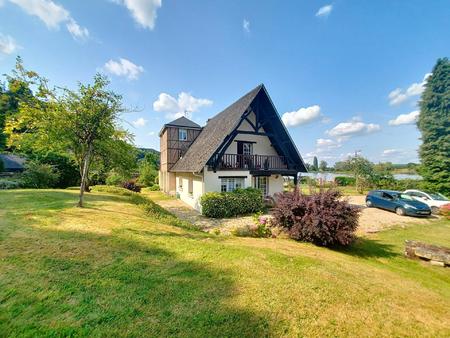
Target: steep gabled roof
{"x": 219, "y": 128}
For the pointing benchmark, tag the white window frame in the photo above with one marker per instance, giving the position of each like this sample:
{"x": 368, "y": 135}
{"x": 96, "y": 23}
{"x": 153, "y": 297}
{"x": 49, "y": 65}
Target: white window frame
{"x": 247, "y": 148}
{"x": 259, "y": 184}
{"x": 182, "y": 134}
{"x": 191, "y": 186}
{"x": 228, "y": 184}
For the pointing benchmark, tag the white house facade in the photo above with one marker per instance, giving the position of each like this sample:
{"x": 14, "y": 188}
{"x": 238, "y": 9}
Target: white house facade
{"x": 246, "y": 145}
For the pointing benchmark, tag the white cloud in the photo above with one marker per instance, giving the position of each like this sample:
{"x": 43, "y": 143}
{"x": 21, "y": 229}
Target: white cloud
{"x": 140, "y": 122}
{"x": 324, "y": 11}
{"x": 301, "y": 116}
{"x": 246, "y": 25}
{"x": 142, "y": 11}
{"x": 53, "y": 15}
{"x": 352, "y": 128}
{"x": 125, "y": 68}
{"x": 76, "y": 30}
{"x": 325, "y": 145}
{"x": 7, "y": 44}
{"x": 175, "y": 108}
{"x": 410, "y": 118}
{"x": 152, "y": 133}
{"x": 399, "y": 95}
{"x": 390, "y": 152}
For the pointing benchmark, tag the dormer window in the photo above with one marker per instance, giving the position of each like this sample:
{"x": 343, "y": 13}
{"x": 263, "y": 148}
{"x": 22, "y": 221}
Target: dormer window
{"x": 182, "y": 134}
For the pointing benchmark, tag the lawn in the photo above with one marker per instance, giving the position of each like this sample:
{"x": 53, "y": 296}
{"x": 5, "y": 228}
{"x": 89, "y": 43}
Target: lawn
{"x": 110, "y": 270}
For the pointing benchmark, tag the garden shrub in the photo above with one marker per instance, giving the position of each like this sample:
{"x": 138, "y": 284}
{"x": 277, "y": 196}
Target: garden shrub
{"x": 148, "y": 174}
{"x": 111, "y": 190}
{"x": 321, "y": 218}
{"x": 39, "y": 175}
{"x": 154, "y": 187}
{"x": 69, "y": 174}
{"x": 229, "y": 204}
{"x": 114, "y": 178}
{"x": 131, "y": 185}
{"x": 344, "y": 181}
{"x": 9, "y": 184}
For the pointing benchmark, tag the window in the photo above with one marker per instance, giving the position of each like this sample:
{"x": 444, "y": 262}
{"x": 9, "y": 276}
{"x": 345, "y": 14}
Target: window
{"x": 182, "y": 134}
{"x": 228, "y": 184}
{"x": 247, "y": 148}
{"x": 261, "y": 183}
{"x": 191, "y": 186}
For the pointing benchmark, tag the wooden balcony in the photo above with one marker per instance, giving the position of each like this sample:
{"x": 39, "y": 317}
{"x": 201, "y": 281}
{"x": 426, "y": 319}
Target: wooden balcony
{"x": 250, "y": 162}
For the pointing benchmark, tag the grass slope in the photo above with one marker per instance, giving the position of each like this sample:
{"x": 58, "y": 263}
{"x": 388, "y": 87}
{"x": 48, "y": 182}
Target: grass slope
{"x": 110, "y": 270}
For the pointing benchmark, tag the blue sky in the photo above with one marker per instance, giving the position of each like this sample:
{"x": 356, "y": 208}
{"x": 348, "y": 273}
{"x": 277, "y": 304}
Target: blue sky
{"x": 345, "y": 75}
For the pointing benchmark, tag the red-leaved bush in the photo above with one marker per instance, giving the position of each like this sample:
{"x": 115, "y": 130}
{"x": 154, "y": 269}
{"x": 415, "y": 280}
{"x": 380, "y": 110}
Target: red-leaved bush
{"x": 321, "y": 218}
{"x": 131, "y": 185}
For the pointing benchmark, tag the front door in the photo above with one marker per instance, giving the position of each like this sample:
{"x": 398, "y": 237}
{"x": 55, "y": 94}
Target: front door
{"x": 261, "y": 183}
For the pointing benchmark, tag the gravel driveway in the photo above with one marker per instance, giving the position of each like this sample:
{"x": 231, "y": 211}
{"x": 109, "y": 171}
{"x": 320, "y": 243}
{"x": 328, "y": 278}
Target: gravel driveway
{"x": 374, "y": 219}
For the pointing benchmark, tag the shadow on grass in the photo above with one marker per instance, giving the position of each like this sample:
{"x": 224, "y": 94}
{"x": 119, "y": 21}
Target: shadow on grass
{"x": 50, "y": 199}
{"x": 368, "y": 248}
{"x": 71, "y": 283}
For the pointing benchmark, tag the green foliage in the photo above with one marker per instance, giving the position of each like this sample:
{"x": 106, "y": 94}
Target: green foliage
{"x": 154, "y": 187}
{"x": 147, "y": 174}
{"x": 434, "y": 125}
{"x": 67, "y": 169}
{"x": 344, "y": 181}
{"x": 323, "y": 165}
{"x": 115, "y": 178}
{"x": 112, "y": 190}
{"x": 39, "y": 175}
{"x": 6, "y": 184}
{"x": 315, "y": 165}
{"x": 229, "y": 204}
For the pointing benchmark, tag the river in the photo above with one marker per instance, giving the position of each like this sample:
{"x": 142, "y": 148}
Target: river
{"x": 329, "y": 177}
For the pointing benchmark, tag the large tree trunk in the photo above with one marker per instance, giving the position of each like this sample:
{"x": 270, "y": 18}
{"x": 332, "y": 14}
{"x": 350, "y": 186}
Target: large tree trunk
{"x": 84, "y": 175}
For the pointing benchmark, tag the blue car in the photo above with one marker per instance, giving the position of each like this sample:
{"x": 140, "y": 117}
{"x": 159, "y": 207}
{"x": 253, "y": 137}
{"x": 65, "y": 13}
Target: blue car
{"x": 400, "y": 203}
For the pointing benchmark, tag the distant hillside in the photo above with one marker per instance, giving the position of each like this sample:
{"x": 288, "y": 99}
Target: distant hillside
{"x": 143, "y": 151}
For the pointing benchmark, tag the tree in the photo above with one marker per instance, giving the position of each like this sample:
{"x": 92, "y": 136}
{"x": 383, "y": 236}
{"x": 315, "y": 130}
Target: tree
{"x": 363, "y": 172}
{"x": 434, "y": 125}
{"x": 86, "y": 121}
{"x": 323, "y": 165}
{"x": 148, "y": 169}
{"x": 315, "y": 166}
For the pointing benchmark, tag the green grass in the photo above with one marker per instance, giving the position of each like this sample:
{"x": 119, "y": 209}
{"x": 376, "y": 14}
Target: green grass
{"x": 111, "y": 270}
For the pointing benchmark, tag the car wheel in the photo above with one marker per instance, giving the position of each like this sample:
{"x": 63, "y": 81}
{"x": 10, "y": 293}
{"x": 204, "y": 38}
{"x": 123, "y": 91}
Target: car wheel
{"x": 435, "y": 210}
{"x": 400, "y": 211}
{"x": 369, "y": 203}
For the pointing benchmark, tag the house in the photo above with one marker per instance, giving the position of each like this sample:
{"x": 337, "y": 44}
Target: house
{"x": 12, "y": 163}
{"x": 246, "y": 145}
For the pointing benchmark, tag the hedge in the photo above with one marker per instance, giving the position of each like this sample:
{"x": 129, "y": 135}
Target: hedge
{"x": 230, "y": 204}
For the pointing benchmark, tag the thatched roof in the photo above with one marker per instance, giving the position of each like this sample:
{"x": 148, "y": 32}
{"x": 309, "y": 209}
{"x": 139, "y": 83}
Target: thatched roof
{"x": 217, "y": 130}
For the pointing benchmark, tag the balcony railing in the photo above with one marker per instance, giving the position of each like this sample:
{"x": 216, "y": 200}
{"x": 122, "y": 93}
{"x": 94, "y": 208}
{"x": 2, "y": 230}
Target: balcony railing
{"x": 250, "y": 162}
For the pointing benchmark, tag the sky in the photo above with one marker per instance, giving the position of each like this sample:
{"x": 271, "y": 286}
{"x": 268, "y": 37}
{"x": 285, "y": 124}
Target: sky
{"x": 344, "y": 75}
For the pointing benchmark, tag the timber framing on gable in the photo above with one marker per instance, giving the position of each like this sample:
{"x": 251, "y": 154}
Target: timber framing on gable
{"x": 266, "y": 118}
